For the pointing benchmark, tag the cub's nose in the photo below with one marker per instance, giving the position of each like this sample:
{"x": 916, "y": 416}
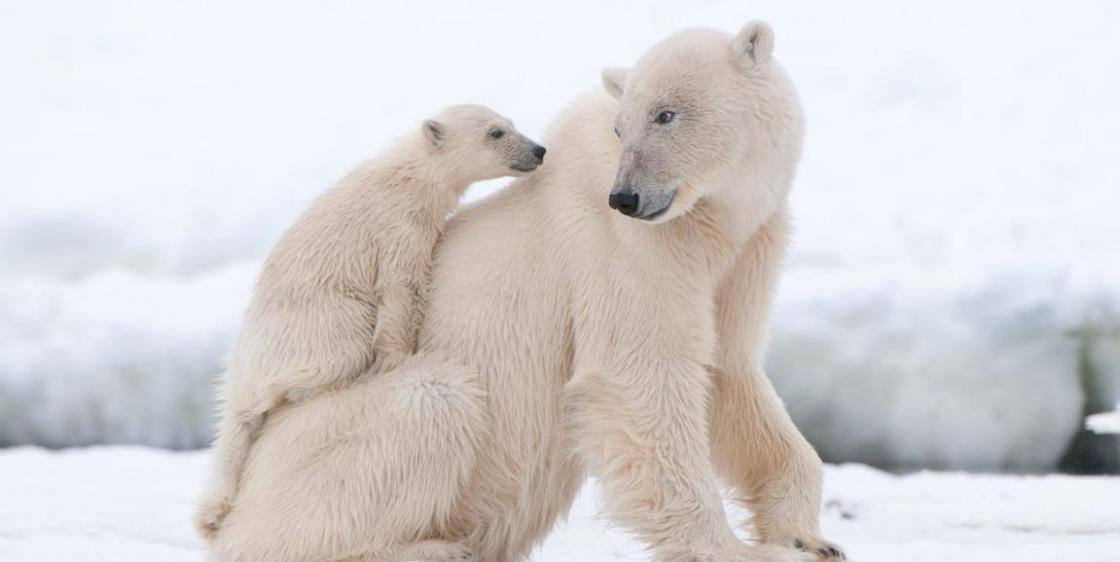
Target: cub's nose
{"x": 625, "y": 201}
{"x": 539, "y": 151}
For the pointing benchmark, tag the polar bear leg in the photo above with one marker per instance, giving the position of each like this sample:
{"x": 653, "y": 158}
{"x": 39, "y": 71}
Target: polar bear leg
{"x": 756, "y": 447}
{"x": 649, "y": 451}
{"x": 363, "y": 470}
{"x": 775, "y": 471}
{"x": 230, "y": 450}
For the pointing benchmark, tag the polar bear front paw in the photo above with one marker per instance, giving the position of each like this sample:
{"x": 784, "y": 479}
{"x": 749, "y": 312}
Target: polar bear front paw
{"x": 822, "y": 549}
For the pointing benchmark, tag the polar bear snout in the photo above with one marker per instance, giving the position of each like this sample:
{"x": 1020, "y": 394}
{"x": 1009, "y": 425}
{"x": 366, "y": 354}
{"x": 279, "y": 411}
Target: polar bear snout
{"x": 529, "y": 158}
{"x": 624, "y": 200}
{"x": 645, "y": 204}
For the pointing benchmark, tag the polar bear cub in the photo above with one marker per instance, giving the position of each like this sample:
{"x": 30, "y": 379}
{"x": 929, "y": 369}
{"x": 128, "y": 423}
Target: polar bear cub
{"x": 341, "y": 294}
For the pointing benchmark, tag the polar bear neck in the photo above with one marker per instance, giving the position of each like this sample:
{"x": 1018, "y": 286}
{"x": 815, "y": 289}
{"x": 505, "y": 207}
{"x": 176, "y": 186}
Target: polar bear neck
{"x": 419, "y": 169}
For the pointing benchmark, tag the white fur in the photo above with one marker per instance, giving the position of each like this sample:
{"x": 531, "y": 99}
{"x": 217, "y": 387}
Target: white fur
{"x": 341, "y": 293}
{"x": 563, "y": 337}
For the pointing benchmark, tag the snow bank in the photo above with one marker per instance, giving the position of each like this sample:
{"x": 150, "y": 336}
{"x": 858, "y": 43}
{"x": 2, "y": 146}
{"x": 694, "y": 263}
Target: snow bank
{"x": 1108, "y": 422}
{"x": 116, "y": 357}
{"x": 901, "y": 369}
{"x": 130, "y": 504}
{"x": 955, "y": 273}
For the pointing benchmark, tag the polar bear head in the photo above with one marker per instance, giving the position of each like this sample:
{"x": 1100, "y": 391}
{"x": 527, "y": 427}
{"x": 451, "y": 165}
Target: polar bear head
{"x": 704, "y": 114}
{"x": 474, "y": 143}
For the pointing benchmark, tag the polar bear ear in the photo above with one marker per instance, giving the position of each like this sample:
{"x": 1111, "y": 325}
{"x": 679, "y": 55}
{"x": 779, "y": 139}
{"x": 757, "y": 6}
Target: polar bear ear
{"x": 433, "y": 131}
{"x": 753, "y": 44}
{"x": 613, "y": 79}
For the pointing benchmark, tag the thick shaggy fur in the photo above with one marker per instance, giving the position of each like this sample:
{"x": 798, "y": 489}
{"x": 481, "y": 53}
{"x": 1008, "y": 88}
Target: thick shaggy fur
{"x": 341, "y": 293}
{"x": 563, "y": 337}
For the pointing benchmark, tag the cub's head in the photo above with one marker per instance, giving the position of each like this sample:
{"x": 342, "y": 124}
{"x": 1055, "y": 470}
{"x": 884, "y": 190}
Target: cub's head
{"x": 478, "y": 144}
{"x": 704, "y": 113}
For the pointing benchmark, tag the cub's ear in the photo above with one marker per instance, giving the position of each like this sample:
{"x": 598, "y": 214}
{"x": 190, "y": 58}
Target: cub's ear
{"x": 613, "y": 79}
{"x": 433, "y": 131}
{"x": 753, "y": 44}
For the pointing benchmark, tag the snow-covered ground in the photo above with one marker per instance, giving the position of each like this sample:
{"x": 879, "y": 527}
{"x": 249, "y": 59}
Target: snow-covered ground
{"x": 134, "y": 504}
{"x": 1105, "y": 422}
{"x": 956, "y": 274}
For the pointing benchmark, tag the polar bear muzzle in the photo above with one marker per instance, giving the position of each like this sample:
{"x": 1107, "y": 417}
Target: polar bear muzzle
{"x": 626, "y": 200}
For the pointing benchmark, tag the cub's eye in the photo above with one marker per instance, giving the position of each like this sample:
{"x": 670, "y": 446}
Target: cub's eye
{"x": 496, "y": 133}
{"x": 665, "y": 117}
{"x": 616, "y": 133}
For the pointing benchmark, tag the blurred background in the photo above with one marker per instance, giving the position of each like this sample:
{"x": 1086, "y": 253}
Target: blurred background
{"x": 952, "y": 300}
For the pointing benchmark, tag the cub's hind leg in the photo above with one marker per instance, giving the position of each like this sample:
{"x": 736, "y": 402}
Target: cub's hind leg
{"x": 236, "y": 434}
{"x": 230, "y": 450}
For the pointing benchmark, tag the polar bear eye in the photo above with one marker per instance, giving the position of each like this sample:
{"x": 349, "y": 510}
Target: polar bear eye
{"x": 616, "y": 133}
{"x": 496, "y": 133}
{"x": 665, "y": 116}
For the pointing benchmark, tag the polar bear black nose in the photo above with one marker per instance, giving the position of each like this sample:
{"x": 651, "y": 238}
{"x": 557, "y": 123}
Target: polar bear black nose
{"x": 625, "y": 201}
{"x": 539, "y": 151}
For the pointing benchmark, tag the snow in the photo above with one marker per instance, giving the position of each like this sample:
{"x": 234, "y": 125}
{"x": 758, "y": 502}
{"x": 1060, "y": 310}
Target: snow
{"x": 955, "y": 274}
{"x": 129, "y": 503}
{"x": 1107, "y": 422}
{"x": 79, "y": 368}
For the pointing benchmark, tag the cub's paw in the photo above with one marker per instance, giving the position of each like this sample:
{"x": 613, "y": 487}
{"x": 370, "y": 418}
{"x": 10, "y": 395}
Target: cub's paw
{"x": 208, "y": 518}
{"x": 820, "y": 548}
{"x": 389, "y": 360}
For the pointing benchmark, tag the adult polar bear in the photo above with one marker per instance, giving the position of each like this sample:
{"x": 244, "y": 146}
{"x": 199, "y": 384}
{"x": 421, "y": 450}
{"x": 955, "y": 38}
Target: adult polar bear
{"x": 563, "y": 336}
